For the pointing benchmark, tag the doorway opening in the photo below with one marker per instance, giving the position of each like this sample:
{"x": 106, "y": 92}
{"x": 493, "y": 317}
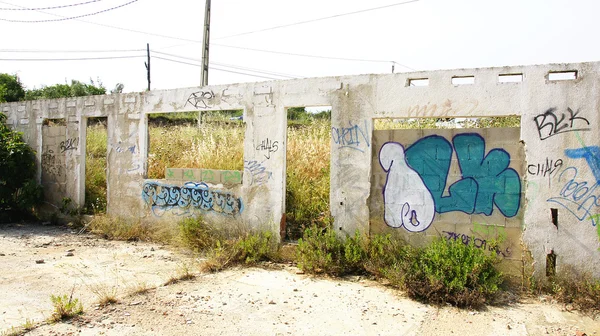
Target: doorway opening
{"x": 308, "y": 167}
{"x": 96, "y": 149}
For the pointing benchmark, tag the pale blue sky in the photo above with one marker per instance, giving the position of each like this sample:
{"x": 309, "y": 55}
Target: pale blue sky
{"x": 424, "y": 35}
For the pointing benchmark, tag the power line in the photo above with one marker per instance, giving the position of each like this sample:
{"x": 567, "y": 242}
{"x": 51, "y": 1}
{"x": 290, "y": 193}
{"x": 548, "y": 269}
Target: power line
{"x": 115, "y": 27}
{"x": 218, "y": 69}
{"x": 312, "y": 56}
{"x": 72, "y": 17}
{"x": 67, "y": 51}
{"x": 314, "y": 20}
{"x": 47, "y": 8}
{"x": 230, "y": 65}
{"x": 68, "y": 59}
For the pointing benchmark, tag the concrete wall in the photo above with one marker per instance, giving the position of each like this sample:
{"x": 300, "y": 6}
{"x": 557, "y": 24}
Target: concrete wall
{"x": 559, "y": 130}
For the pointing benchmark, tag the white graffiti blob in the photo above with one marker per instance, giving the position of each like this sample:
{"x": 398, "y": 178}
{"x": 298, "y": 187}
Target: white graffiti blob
{"x": 407, "y": 202}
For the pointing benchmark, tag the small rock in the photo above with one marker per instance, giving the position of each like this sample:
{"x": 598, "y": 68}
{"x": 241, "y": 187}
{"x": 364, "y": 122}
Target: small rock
{"x": 39, "y": 261}
{"x": 580, "y": 333}
{"x": 152, "y": 249}
{"x": 69, "y": 254}
{"x": 2, "y": 254}
{"x": 70, "y": 250}
{"x": 508, "y": 326}
{"x": 271, "y": 302}
{"x": 127, "y": 314}
{"x": 135, "y": 303}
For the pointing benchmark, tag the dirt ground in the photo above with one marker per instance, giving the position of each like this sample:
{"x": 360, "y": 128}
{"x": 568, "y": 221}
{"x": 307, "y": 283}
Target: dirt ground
{"x": 251, "y": 301}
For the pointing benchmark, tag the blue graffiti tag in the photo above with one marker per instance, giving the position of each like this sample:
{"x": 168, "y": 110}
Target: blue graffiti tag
{"x": 486, "y": 179}
{"x": 189, "y": 198}
{"x": 579, "y": 198}
{"x": 350, "y": 137}
{"x": 591, "y": 155}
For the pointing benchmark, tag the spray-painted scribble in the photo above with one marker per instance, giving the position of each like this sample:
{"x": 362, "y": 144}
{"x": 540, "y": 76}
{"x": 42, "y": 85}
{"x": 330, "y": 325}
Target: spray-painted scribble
{"x": 201, "y": 99}
{"x": 354, "y": 136}
{"x": 550, "y": 124}
{"x": 545, "y": 169}
{"x": 268, "y": 146}
{"x": 579, "y": 198}
{"x": 478, "y": 243}
{"x": 231, "y": 177}
{"x": 591, "y": 155}
{"x": 53, "y": 166}
{"x": 69, "y": 144}
{"x": 188, "y": 199}
{"x": 486, "y": 180}
{"x": 260, "y": 174}
{"x": 407, "y": 202}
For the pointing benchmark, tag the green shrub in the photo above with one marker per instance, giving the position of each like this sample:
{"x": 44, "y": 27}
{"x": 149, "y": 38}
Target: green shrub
{"x": 65, "y": 307}
{"x": 249, "y": 250}
{"x": 322, "y": 251}
{"x": 19, "y": 192}
{"x": 450, "y": 271}
{"x": 196, "y": 234}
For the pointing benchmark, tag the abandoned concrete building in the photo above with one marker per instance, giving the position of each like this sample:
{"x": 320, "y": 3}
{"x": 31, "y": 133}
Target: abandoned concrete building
{"x": 536, "y": 187}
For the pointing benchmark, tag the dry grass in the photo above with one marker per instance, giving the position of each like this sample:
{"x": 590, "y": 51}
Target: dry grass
{"x": 308, "y": 171}
{"x": 214, "y": 146}
{"x": 131, "y": 230}
{"x": 184, "y": 273}
{"x": 95, "y": 168}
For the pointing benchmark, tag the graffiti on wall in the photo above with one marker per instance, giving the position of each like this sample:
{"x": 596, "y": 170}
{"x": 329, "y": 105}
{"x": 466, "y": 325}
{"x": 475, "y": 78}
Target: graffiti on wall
{"x": 259, "y": 173}
{"x": 545, "y": 169}
{"x": 579, "y": 197}
{"x": 354, "y": 136}
{"x": 417, "y": 177}
{"x": 53, "y": 166}
{"x": 269, "y": 146}
{"x": 69, "y": 144}
{"x": 201, "y": 99}
{"x": 550, "y": 123}
{"x": 189, "y": 198}
{"x": 478, "y": 243}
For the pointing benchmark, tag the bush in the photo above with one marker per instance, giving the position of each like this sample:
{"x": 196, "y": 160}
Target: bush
{"x": 19, "y": 191}
{"x": 196, "y": 234}
{"x": 321, "y": 251}
{"x": 249, "y": 250}
{"x": 450, "y": 271}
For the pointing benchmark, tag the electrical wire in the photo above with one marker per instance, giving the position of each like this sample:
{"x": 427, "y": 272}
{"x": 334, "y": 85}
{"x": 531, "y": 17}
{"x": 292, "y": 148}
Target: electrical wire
{"x": 213, "y": 68}
{"x": 229, "y": 65}
{"x": 67, "y": 51}
{"x": 48, "y": 8}
{"x": 315, "y": 20}
{"x": 311, "y": 56}
{"x": 68, "y": 59}
{"x": 72, "y": 17}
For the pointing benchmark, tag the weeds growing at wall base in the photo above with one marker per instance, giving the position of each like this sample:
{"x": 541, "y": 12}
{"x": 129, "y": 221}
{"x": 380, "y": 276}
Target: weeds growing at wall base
{"x": 444, "y": 271}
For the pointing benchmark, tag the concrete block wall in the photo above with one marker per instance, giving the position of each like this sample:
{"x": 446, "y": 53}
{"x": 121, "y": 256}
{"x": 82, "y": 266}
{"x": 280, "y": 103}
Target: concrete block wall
{"x": 557, "y": 215}
{"x": 459, "y": 184}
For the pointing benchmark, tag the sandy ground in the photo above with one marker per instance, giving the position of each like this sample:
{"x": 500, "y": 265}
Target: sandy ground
{"x": 254, "y": 301}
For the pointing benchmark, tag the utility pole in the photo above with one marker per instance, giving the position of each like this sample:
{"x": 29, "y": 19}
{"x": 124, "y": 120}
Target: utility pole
{"x": 148, "y": 64}
{"x": 204, "y": 79}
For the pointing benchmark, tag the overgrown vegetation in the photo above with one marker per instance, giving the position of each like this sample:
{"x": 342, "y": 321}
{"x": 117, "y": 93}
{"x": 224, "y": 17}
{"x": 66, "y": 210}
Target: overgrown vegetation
{"x": 95, "y": 166}
{"x": 226, "y": 247}
{"x": 19, "y": 191}
{"x": 444, "y": 271}
{"x": 579, "y": 291}
{"x": 65, "y": 307}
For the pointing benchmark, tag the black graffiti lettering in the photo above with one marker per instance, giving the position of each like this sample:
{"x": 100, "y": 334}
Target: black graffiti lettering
{"x": 550, "y": 124}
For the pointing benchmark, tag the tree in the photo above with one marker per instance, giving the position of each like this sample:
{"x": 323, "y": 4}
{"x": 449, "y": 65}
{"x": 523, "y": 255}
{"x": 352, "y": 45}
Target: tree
{"x": 11, "y": 89}
{"x": 75, "y": 89}
{"x": 19, "y": 191}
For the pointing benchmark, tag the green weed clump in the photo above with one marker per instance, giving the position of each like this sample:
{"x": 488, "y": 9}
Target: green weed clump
{"x": 444, "y": 271}
{"x": 581, "y": 291}
{"x": 450, "y": 271}
{"x": 248, "y": 250}
{"x": 321, "y": 251}
{"x": 130, "y": 230}
{"x": 65, "y": 307}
